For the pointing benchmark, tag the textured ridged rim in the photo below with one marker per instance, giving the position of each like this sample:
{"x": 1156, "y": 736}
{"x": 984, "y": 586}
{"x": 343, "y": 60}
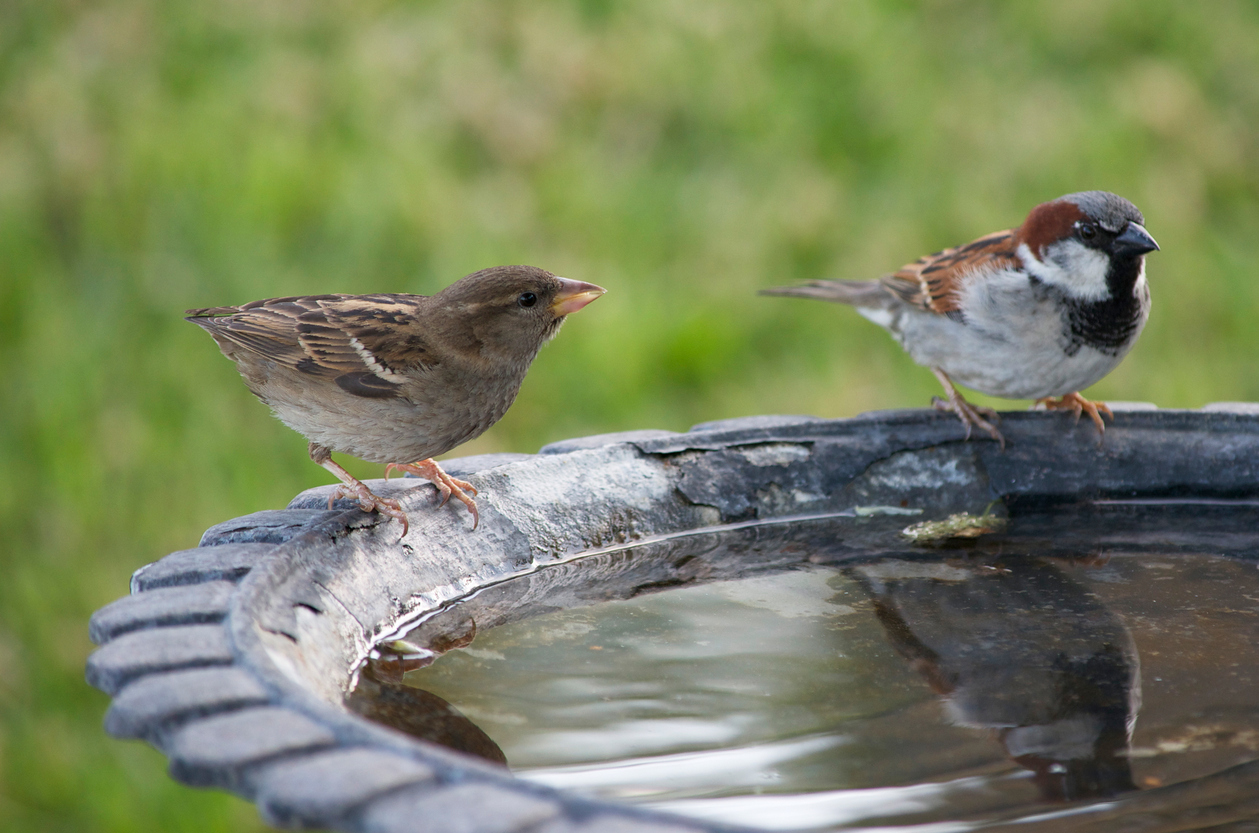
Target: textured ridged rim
{"x": 233, "y": 658}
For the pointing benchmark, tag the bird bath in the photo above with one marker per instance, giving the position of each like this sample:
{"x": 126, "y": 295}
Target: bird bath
{"x": 1088, "y": 660}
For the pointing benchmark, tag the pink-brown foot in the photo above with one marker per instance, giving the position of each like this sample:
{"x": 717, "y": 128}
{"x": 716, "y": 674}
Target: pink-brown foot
{"x": 369, "y": 501}
{"x": 970, "y": 415}
{"x": 354, "y": 489}
{"x": 447, "y": 485}
{"x": 1077, "y": 405}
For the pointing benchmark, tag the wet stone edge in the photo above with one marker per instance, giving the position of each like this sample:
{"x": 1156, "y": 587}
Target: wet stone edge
{"x": 231, "y": 657}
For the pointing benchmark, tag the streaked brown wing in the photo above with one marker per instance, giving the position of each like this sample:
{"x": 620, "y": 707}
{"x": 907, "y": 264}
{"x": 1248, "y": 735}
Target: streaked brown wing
{"x": 362, "y": 342}
{"x": 267, "y": 328}
{"x": 386, "y": 327}
{"x": 932, "y": 282}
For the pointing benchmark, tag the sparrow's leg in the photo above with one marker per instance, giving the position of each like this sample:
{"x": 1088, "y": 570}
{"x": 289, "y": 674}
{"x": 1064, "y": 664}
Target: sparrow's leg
{"x": 1078, "y": 404}
{"x": 969, "y": 414}
{"x": 445, "y": 484}
{"x": 354, "y": 489}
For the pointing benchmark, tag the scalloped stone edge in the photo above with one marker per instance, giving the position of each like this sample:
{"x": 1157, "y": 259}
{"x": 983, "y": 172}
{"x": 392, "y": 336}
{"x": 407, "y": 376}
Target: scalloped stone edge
{"x": 232, "y": 658}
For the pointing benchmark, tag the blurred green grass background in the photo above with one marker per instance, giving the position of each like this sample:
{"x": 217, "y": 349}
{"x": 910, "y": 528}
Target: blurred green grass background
{"x": 157, "y": 155}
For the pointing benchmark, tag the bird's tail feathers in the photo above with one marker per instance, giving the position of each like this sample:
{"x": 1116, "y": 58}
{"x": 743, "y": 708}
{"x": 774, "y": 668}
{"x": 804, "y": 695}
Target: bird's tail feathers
{"x": 856, "y": 293}
{"x": 209, "y": 312}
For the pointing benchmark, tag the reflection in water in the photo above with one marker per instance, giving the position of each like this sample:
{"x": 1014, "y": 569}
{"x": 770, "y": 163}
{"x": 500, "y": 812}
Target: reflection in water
{"x": 1024, "y": 650}
{"x": 782, "y": 682}
{"x": 421, "y": 714}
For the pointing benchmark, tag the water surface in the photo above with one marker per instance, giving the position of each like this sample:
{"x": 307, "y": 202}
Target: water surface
{"x": 770, "y": 678}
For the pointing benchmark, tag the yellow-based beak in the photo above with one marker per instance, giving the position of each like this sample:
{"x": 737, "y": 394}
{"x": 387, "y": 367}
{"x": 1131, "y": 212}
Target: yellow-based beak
{"x": 574, "y": 295}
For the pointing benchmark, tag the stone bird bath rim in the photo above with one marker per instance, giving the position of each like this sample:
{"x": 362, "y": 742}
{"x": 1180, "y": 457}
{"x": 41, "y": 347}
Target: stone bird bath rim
{"x": 233, "y": 658}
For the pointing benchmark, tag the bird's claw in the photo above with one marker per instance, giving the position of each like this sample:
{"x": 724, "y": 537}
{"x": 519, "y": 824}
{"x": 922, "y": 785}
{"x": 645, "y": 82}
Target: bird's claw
{"x": 462, "y": 490}
{"x": 971, "y": 416}
{"x": 369, "y": 502}
{"x": 1077, "y": 405}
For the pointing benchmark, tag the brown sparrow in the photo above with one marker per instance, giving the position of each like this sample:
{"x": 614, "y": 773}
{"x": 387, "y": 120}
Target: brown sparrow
{"x": 396, "y": 379}
{"x": 1036, "y": 312}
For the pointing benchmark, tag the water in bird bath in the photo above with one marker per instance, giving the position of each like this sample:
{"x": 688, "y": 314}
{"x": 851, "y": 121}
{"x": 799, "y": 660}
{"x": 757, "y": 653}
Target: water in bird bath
{"x": 777, "y": 676}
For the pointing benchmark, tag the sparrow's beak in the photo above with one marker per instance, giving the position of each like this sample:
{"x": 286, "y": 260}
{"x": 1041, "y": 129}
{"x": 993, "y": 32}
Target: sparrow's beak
{"x": 1134, "y": 240}
{"x": 574, "y": 295}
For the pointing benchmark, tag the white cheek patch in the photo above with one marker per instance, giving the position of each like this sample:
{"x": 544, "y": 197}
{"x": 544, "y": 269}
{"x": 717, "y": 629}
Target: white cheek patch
{"x": 373, "y": 365}
{"x": 1072, "y": 266}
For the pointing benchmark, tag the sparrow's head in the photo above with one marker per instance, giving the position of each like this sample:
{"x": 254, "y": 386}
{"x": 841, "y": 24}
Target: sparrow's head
{"x": 1091, "y": 245}
{"x": 510, "y": 311}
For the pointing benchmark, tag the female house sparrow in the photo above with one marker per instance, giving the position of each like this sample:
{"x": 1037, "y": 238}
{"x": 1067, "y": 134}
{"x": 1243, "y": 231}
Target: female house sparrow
{"x": 1040, "y": 311}
{"x": 396, "y": 378}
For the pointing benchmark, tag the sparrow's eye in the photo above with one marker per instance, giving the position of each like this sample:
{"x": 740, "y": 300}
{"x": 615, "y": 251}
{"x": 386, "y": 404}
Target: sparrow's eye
{"x": 527, "y": 299}
{"x": 1087, "y": 231}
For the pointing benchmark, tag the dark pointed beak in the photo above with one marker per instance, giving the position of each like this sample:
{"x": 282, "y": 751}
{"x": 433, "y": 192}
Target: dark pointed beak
{"x": 1134, "y": 241}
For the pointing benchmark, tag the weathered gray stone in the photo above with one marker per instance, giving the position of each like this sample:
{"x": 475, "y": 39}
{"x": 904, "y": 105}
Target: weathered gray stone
{"x": 756, "y": 423}
{"x": 150, "y": 706}
{"x": 309, "y": 607}
{"x": 226, "y": 562}
{"x": 134, "y": 655}
{"x": 189, "y": 605}
{"x": 735, "y": 480}
{"x": 312, "y": 634}
{"x": 870, "y": 436}
{"x": 464, "y": 808}
{"x": 600, "y": 440}
{"x": 1142, "y": 452}
{"x": 935, "y": 482}
{"x": 220, "y": 751}
{"x": 319, "y": 789}
{"x": 1246, "y": 408}
{"x": 271, "y": 526}
{"x": 461, "y": 466}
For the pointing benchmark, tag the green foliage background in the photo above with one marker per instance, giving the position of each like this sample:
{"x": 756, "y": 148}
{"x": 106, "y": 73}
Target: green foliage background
{"x": 163, "y": 154}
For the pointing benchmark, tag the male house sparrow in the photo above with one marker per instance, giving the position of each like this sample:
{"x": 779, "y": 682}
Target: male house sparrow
{"x": 1036, "y": 312}
{"x": 396, "y": 379}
